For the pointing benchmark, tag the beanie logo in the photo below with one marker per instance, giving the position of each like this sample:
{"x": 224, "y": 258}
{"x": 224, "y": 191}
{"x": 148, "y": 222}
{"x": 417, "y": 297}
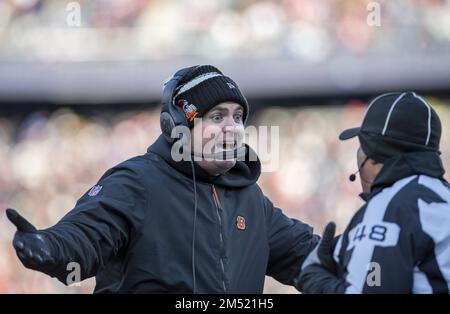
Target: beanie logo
{"x": 240, "y": 223}
{"x": 190, "y": 110}
{"x": 231, "y": 86}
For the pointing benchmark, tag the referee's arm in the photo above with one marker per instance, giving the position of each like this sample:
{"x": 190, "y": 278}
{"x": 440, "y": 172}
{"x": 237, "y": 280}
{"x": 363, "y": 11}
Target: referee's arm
{"x": 371, "y": 266}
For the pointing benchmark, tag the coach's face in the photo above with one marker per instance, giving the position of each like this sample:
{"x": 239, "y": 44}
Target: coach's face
{"x": 222, "y": 129}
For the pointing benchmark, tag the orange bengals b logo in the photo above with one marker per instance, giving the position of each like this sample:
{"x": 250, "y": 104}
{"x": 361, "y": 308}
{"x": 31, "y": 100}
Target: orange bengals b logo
{"x": 240, "y": 222}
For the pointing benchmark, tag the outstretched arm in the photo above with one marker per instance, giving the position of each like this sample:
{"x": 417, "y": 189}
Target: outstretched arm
{"x": 99, "y": 226}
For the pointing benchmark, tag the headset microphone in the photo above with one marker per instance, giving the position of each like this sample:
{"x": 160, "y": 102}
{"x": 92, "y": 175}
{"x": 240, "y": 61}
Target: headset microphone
{"x": 352, "y": 177}
{"x": 225, "y": 155}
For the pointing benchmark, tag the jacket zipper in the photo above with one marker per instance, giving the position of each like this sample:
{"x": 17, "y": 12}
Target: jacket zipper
{"x": 218, "y": 209}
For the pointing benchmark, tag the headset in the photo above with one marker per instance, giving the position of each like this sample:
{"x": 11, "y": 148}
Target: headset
{"x": 171, "y": 115}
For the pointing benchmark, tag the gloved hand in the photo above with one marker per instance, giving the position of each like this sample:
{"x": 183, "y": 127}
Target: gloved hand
{"x": 323, "y": 253}
{"x": 31, "y": 245}
{"x": 318, "y": 274}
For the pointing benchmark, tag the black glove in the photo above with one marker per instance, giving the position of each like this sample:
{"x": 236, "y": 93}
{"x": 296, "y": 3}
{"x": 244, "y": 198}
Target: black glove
{"x": 31, "y": 245}
{"x": 318, "y": 274}
{"x": 323, "y": 252}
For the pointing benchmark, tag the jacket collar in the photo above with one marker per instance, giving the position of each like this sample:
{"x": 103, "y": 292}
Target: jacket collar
{"x": 405, "y": 165}
{"x": 244, "y": 173}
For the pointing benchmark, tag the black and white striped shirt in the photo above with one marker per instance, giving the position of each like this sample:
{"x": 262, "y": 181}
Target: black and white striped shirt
{"x": 399, "y": 241}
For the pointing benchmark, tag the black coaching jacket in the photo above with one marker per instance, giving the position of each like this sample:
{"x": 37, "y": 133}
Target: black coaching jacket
{"x": 133, "y": 230}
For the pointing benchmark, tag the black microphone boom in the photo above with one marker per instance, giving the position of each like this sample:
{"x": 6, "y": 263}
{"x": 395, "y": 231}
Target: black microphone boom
{"x": 352, "y": 177}
{"x": 225, "y": 155}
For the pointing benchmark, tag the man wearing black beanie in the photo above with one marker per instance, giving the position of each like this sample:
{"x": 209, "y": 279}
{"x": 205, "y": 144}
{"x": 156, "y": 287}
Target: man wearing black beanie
{"x": 159, "y": 224}
{"x": 399, "y": 241}
{"x": 207, "y": 96}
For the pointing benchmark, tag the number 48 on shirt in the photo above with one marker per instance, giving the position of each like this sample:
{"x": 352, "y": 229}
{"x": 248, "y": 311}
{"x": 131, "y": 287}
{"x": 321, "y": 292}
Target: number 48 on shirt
{"x": 380, "y": 234}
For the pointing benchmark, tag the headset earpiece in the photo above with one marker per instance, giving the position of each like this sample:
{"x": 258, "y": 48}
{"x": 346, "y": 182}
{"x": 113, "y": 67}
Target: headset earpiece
{"x": 171, "y": 115}
{"x": 167, "y": 125}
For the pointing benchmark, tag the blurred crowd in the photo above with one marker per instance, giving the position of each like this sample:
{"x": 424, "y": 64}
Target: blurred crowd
{"x": 309, "y": 30}
{"x": 49, "y": 159}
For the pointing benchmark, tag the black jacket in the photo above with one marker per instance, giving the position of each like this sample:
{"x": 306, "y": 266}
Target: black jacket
{"x": 399, "y": 241}
{"x": 135, "y": 234}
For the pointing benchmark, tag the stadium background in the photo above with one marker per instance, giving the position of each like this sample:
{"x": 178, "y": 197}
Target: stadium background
{"x": 75, "y": 100}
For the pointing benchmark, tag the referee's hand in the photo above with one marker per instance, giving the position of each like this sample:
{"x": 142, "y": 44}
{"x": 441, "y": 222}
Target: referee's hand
{"x": 31, "y": 246}
{"x": 323, "y": 252}
{"x": 318, "y": 274}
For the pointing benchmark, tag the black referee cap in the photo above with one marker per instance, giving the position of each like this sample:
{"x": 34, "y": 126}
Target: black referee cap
{"x": 395, "y": 123}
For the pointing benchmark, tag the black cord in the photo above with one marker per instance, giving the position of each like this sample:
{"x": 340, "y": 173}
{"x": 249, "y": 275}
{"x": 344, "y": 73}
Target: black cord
{"x": 193, "y": 229}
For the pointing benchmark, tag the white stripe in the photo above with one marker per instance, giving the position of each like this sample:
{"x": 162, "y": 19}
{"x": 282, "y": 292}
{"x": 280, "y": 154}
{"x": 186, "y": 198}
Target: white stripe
{"x": 194, "y": 82}
{"x": 429, "y": 117}
{"x": 420, "y": 282}
{"x": 435, "y": 221}
{"x": 337, "y": 249}
{"x": 363, "y": 250}
{"x": 390, "y": 112}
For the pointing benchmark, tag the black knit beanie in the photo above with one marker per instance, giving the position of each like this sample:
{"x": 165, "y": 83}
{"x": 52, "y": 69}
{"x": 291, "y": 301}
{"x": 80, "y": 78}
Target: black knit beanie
{"x": 203, "y": 88}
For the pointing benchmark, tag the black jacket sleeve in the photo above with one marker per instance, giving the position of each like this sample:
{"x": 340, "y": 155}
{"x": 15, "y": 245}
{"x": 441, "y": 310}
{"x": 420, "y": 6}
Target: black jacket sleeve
{"x": 290, "y": 242}
{"x": 316, "y": 279}
{"x": 100, "y": 225}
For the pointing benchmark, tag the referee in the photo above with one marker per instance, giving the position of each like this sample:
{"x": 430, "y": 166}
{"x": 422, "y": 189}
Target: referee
{"x": 399, "y": 241}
